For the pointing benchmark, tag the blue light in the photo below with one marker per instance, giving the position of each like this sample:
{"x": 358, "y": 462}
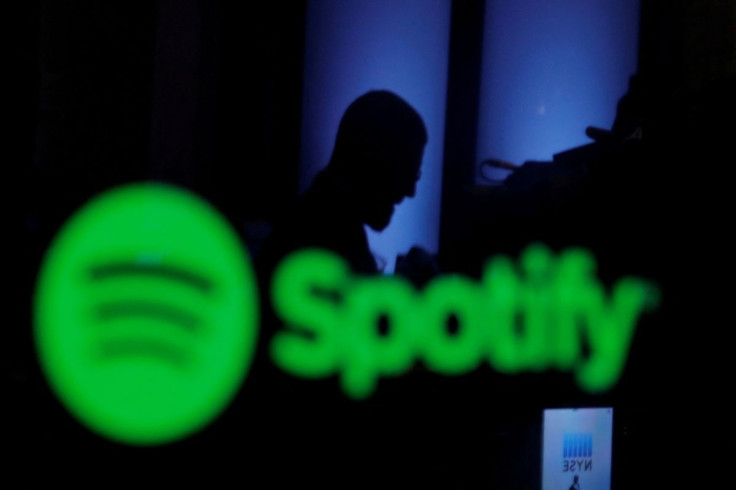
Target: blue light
{"x": 551, "y": 68}
{"x": 398, "y": 45}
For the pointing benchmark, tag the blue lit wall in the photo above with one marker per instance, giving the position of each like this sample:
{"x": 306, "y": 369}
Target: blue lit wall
{"x": 399, "y": 45}
{"x": 551, "y": 68}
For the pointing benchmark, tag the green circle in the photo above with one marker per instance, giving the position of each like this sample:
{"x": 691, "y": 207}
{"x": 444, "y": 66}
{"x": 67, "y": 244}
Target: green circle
{"x": 146, "y": 314}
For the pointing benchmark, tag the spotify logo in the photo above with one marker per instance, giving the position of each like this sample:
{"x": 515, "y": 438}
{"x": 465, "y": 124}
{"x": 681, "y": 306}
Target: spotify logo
{"x": 146, "y": 317}
{"x": 146, "y": 314}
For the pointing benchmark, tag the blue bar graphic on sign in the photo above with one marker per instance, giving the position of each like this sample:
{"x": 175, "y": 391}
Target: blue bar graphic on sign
{"x": 577, "y": 446}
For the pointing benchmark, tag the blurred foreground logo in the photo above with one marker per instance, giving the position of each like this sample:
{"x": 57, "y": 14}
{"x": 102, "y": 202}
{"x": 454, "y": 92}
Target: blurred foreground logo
{"x": 146, "y": 317}
{"x": 146, "y": 314}
{"x": 533, "y": 316}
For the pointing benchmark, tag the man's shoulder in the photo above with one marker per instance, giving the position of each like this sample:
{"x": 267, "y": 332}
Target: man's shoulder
{"x": 311, "y": 227}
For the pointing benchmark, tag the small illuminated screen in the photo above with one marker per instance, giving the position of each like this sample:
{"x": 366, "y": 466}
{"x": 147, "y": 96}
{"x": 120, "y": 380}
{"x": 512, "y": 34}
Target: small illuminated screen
{"x": 577, "y": 449}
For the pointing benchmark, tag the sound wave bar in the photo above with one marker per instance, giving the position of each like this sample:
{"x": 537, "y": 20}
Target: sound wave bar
{"x": 107, "y": 271}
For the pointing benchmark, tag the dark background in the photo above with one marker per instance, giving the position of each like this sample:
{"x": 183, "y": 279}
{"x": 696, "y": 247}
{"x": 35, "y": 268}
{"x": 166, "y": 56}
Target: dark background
{"x": 206, "y": 95}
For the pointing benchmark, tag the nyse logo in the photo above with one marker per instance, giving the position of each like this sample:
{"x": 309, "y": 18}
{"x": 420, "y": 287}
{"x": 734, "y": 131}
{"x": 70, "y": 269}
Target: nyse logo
{"x": 577, "y": 452}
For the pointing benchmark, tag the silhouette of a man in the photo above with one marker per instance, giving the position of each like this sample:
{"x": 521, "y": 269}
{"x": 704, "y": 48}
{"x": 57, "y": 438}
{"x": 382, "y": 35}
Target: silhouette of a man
{"x": 375, "y": 164}
{"x": 575, "y": 485}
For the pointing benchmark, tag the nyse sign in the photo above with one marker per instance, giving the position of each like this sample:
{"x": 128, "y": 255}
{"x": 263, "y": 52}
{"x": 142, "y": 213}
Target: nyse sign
{"x": 577, "y": 448}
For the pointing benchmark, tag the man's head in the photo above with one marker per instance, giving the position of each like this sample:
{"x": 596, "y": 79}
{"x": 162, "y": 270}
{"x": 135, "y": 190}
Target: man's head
{"x": 378, "y": 154}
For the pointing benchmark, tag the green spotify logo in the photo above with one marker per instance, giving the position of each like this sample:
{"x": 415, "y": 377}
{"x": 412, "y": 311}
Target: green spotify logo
{"x": 528, "y": 317}
{"x": 146, "y": 314}
{"x": 146, "y": 317}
